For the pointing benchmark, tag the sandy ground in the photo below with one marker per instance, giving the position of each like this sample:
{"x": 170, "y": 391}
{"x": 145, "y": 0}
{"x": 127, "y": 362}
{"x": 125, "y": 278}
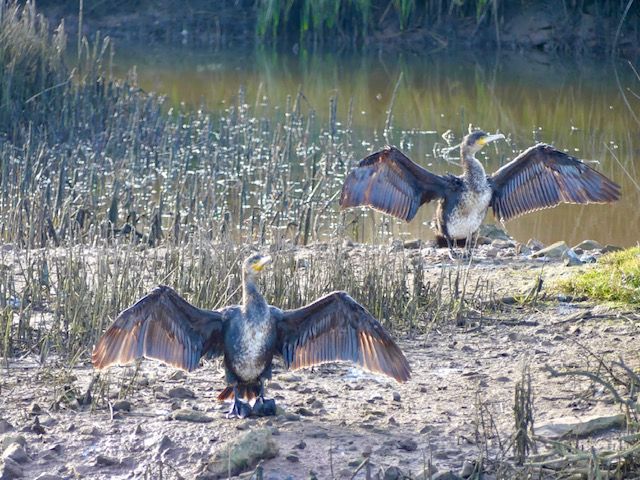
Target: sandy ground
{"x": 457, "y": 408}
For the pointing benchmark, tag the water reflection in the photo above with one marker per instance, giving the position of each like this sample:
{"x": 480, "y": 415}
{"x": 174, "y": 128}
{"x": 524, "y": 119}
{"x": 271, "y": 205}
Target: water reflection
{"x": 575, "y": 106}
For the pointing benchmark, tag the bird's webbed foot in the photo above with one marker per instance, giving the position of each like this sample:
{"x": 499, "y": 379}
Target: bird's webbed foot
{"x": 239, "y": 409}
{"x": 264, "y": 407}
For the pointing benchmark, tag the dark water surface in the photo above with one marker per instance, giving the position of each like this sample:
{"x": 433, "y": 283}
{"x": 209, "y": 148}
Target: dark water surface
{"x": 575, "y": 105}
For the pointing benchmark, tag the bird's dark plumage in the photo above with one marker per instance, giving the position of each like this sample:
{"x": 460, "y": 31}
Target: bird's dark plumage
{"x": 161, "y": 326}
{"x": 540, "y": 177}
{"x": 165, "y": 327}
{"x": 543, "y": 177}
{"x": 390, "y": 182}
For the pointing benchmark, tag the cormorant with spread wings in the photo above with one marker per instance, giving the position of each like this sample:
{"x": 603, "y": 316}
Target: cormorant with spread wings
{"x": 165, "y": 327}
{"x": 540, "y": 177}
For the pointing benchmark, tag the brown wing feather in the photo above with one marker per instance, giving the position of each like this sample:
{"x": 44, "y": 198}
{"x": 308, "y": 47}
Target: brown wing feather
{"x": 543, "y": 177}
{"x": 162, "y": 326}
{"x": 337, "y": 328}
{"x": 390, "y": 182}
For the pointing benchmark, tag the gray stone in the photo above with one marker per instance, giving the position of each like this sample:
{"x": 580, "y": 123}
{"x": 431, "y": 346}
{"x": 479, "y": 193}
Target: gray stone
{"x": 178, "y": 375}
{"x": 188, "y": 415}
{"x": 181, "y": 392}
{"x": 570, "y": 258}
{"x": 9, "y": 440}
{"x": 611, "y": 248}
{"x": 393, "y": 473}
{"x": 491, "y": 252}
{"x": 493, "y": 232}
{"x": 413, "y": 244}
{"x": 467, "y": 468}
{"x": 535, "y": 244}
{"x": 16, "y": 452}
{"x": 396, "y": 396}
{"x": 5, "y": 426}
{"x": 589, "y": 245}
{"x": 501, "y": 244}
{"x": 242, "y": 454}
{"x": 104, "y": 461}
{"x": 567, "y": 427}
{"x": 9, "y": 470}
{"x": 408, "y": 445}
{"x": 293, "y": 458}
{"x": 555, "y": 250}
{"x": 122, "y": 406}
{"x": 586, "y": 258}
{"x": 446, "y": 476}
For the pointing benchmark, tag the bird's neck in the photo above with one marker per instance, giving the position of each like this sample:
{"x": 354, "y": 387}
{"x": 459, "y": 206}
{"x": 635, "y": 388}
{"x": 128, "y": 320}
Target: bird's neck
{"x": 473, "y": 171}
{"x": 251, "y": 296}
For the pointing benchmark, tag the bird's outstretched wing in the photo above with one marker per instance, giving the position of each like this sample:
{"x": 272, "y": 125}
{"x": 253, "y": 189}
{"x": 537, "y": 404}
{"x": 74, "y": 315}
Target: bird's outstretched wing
{"x": 335, "y": 328}
{"x": 390, "y": 182}
{"x": 543, "y": 177}
{"x": 162, "y": 326}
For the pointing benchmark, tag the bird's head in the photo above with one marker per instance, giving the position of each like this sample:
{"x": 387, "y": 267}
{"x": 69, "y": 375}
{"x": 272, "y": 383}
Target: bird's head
{"x": 474, "y": 142}
{"x": 255, "y": 264}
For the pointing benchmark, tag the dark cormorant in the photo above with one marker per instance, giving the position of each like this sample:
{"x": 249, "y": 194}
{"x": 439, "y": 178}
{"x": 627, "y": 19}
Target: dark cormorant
{"x": 163, "y": 326}
{"x": 540, "y": 177}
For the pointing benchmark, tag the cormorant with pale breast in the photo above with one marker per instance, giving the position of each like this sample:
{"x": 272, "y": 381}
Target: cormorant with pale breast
{"x": 540, "y": 177}
{"x": 165, "y": 327}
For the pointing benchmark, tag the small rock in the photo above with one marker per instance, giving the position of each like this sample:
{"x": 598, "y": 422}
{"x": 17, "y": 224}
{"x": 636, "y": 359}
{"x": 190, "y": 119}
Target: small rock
{"x": 122, "y": 406}
{"x": 535, "y": 245}
{"x": 586, "y": 258}
{"x": 165, "y": 444}
{"x": 181, "y": 392}
{"x": 491, "y": 252}
{"x": 305, "y": 412}
{"x": 293, "y": 458}
{"x": 446, "y": 476}
{"x": 138, "y": 430}
{"x": 318, "y": 433}
{"x": 396, "y": 396}
{"x": 392, "y": 421}
{"x": 502, "y": 244}
{"x": 5, "y": 426}
{"x": 611, "y": 248}
{"x": 187, "y": 415}
{"x": 35, "y": 409}
{"x": 493, "y": 232}
{"x": 104, "y": 461}
{"x": 555, "y": 250}
{"x": 467, "y": 468}
{"x": 482, "y": 240}
{"x": 289, "y": 378}
{"x": 292, "y": 417}
{"x": 570, "y": 258}
{"x": 242, "y": 454}
{"x": 10, "y": 469}
{"x": 569, "y": 428}
{"x": 317, "y": 404}
{"x": 393, "y": 473}
{"x": 9, "y": 440}
{"x": 412, "y": 244}
{"x": 15, "y": 452}
{"x": 301, "y": 445}
{"x": 588, "y": 245}
{"x": 408, "y": 445}
{"x": 178, "y": 375}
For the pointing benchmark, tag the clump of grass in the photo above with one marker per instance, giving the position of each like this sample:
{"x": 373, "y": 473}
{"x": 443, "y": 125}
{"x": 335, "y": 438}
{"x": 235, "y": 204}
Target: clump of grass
{"x": 615, "y": 278}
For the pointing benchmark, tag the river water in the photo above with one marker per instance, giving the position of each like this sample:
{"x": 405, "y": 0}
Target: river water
{"x": 576, "y": 105}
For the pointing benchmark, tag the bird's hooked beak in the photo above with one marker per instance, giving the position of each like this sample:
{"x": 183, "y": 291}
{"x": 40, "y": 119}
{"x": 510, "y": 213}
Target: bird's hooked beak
{"x": 490, "y": 138}
{"x": 263, "y": 262}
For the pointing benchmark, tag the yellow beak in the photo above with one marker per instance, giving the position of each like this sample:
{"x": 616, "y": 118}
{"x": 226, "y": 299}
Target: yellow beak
{"x": 490, "y": 138}
{"x": 260, "y": 264}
